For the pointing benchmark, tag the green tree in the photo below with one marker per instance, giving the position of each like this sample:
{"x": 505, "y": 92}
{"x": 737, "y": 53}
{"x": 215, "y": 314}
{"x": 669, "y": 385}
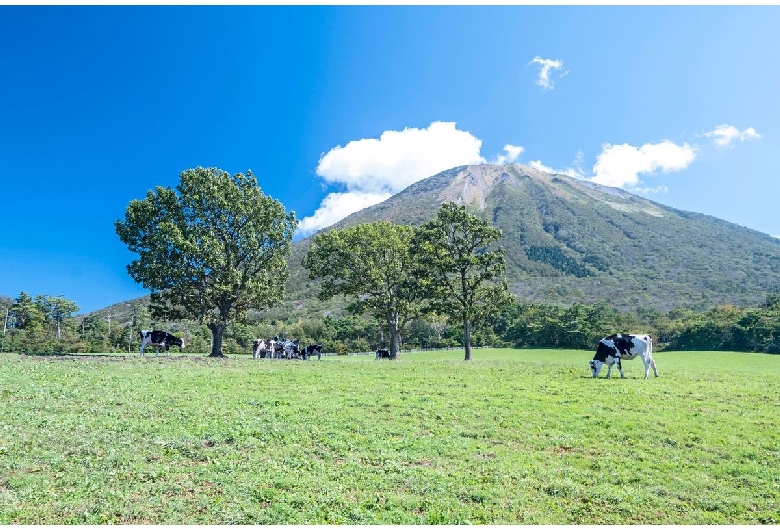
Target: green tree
{"x": 371, "y": 264}
{"x": 210, "y": 252}
{"x": 459, "y": 274}
{"x": 56, "y": 309}
{"x": 26, "y": 314}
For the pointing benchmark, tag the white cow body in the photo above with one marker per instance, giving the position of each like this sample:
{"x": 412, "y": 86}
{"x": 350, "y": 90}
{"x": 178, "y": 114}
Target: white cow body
{"x": 263, "y": 348}
{"x": 611, "y": 350}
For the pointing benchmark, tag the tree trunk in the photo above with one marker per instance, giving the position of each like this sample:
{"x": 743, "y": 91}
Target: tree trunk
{"x": 395, "y": 337}
{"x": 395, "y": 344}
{"x": 216, "y": 339}
{"x": 467, "y": 338}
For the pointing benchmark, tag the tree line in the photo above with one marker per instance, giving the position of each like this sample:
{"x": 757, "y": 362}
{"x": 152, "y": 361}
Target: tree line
{"x": 216, "y": 248}
{"x": 31, "y": 327}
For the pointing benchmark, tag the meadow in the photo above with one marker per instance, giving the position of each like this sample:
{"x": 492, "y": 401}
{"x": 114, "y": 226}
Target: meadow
{"x": 513, "y": 437}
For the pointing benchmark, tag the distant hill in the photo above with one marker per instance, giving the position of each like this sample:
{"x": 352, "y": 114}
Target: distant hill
{"x": 570, "y": 240}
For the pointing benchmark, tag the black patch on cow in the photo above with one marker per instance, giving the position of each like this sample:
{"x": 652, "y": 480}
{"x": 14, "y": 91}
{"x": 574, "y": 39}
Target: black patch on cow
{"x": 312, "y": 349}
{"x": 161, "y": 338}
{"x": 623, "y": 342}
{"x": 603, "y": 351}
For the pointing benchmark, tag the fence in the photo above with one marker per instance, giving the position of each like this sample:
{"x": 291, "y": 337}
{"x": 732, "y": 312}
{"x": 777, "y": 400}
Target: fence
{"x": 405, "y": 350}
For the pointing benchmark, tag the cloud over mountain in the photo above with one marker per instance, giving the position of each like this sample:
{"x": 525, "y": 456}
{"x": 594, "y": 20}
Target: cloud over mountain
{"x": 399, "y": 158}
{"x": 621, "y": 165}
{"x": 372, "y": 169}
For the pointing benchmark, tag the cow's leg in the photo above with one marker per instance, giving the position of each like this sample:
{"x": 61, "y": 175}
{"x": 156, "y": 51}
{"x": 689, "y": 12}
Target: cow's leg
{"x": 648, "y": 363}
{"x": 609, "y": 370}
{"x": 620, "y": 369}
{"x": 319, "y": 354}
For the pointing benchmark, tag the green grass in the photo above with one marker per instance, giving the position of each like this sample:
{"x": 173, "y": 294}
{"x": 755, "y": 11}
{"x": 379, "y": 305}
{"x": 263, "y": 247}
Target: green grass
{"x": 515, "y": 436}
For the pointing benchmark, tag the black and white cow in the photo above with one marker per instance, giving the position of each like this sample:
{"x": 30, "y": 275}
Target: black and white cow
{"x": 286, "y": 348}
{"x": 159, "y": 339}
{"x": 263, "y": 348}
{"x": 382, "y": 354}
{"x": 278, "y": 350}
{"x": 621, "y": 346}
{"x": 312, "y": 349}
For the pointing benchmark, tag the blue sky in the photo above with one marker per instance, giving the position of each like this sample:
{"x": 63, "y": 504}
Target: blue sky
{"x": 334, "y": 108}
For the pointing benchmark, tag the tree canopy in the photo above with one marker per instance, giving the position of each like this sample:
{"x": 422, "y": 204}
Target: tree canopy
{"x": 209, "y": 250}
{"x": 460, "y": 275}
{"x": 371, "y": 264}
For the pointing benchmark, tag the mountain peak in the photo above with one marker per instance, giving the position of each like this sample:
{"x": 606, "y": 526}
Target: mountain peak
{"x": 571, "y": 240}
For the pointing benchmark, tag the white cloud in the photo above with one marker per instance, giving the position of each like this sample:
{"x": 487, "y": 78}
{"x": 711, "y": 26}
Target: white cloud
{"x": 621, "y": 165}
{"x": 544, "y": 72}
{"x": 337, "y": 206}
{"x": 724, "y": 135}
{"x": 399, "y": 158}
{"x": 569, "y": 172}
{"x": 512, "y": 153}
{"x": 537, "y": 164}
{"x": 373, "y": 169}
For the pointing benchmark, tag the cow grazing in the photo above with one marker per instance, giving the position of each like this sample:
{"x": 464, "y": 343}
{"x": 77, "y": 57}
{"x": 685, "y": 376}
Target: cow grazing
{"x": 312, "y": 349}
{"x": 159, "y": 339}
{"x": 611, "y": 350}
{"x": 382, "y": 354}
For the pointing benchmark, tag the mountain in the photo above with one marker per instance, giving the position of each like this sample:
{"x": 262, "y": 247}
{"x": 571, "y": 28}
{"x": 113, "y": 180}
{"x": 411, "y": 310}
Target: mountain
{"x": 570, "y": 240}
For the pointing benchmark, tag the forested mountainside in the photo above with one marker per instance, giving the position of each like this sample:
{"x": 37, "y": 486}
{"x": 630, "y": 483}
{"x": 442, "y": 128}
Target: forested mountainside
{"x": 570, "y": 240}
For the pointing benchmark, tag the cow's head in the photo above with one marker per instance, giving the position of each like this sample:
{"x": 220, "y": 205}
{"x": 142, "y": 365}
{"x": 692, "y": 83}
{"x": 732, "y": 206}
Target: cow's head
{"x": 595, "y": 367}
{"x": 178, "y": 342}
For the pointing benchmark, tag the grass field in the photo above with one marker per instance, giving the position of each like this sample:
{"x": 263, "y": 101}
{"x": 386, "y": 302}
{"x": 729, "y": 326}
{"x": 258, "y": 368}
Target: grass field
{"x": 515, "y": 436}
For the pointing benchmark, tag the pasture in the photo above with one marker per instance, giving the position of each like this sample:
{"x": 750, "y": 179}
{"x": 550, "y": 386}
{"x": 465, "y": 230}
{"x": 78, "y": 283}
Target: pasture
{"x": 513, "y": 437}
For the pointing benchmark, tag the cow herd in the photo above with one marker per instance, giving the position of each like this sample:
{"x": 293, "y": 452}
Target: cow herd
{"x": 610, "y": 350}
{"x": 284, "y": 349}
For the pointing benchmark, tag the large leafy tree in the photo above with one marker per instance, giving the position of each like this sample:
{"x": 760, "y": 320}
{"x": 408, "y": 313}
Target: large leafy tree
{"x": 457, "y": 270}
{"x": 209, "y": 250}
{"x": 370, "y": 263}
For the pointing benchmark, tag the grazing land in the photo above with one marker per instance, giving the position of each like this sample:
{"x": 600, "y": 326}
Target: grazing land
{"x": 515, "y": 436}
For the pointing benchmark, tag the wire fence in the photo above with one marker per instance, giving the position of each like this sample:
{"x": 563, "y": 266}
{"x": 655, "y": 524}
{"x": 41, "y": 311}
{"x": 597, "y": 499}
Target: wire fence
{"x": 405, "y": 350}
